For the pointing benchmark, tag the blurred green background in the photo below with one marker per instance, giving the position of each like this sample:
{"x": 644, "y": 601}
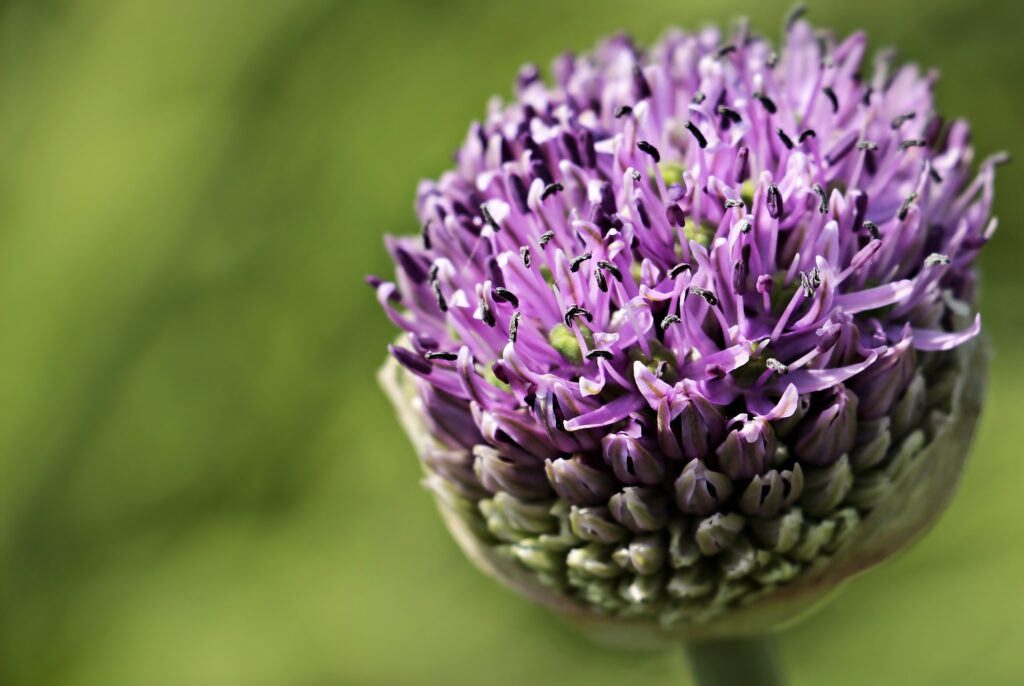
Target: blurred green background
{"x": 199, "y": 480}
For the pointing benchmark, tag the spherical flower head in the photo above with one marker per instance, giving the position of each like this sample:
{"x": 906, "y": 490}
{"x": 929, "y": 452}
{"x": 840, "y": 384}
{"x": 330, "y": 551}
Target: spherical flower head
{"x": 688, "y": 330}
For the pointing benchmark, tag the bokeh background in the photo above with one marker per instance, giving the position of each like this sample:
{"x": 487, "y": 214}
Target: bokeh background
{"x": 200, "y": 483}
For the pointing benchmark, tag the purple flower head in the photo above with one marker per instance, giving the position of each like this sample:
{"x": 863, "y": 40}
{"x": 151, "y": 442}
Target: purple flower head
{"x": 681, "y": 290}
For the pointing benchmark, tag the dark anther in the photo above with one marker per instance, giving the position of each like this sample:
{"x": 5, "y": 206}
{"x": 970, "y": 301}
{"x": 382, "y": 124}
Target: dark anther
{"x": 670, "y": 320}
{"x": 934, "y": 174}
{"x": 679, "y": 269}
{"x": 767, "y": 102}
{"x": 774, "y": 201}
{"x": 867, "y": 95}
{"x": 809, "y": 133}
{"x": 786, "y": 140}
{"x": 831, "y": 95}
{"x": 776, "y": 366}
{"x": 602, "y": 354}
{"x": 650, "y": 150}
{"x": 640, "y": 86}
{"x": 807, "y": 284}
{"x": 867, "y": 145}
{"x": 621, "y": 112}
{"x": 485, "y": 313}
{"x": 795, "y": 15}
{"x": 550, "y": 190}
{"x": 576, "y": 311}
{"x": 441, "y": 302}
{"x": 745, "y": 227}
{"x": 574, "y": 264}
{"x": 441, "y": 356}
{"x": 724, "y": 50}
{"x": 708, "y": 296}
{"x": 611, "y": 269}
{"x": 602, "y": 283}
{"x": 873, "y": 230}
{"x": 701, "y": 140}
{"x": 675, "y": 215}
{"x": 902, "y": 119}
{"x": 432, "y": 274}
{"x": 489, "y": 218}
{"x": 505, "y": 295}
{"x": 936, "y": 258}
{"x": 822, "y": 198}
{"x": 546, "y": 237}
{"x": 524, "y": 253}
{"x": 905, "y": 207}
{"x": 425, "y": 234}
{"x": 698, "y": 97}
{"x": 513, "y": 327}
{"x": 912, "y": 143}
{"x": 730, "y": 204}
{"x": 730, "y": 114}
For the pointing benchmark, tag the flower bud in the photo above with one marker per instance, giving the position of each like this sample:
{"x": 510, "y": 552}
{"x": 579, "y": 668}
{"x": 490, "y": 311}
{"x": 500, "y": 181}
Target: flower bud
{"x": 748, "y": 447}
{"x": 822, "y": 438}
{"x": 700, "y": 490}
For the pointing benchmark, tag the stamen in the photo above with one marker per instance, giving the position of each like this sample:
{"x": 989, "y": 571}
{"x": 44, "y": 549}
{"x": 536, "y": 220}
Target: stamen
{"x": 934, "y": 174}
{"x": 912, "y": 143}
{"x": 809, "y": 133}
{"x": 774, "y": 201}
{"x": 905, "y": 207}
{"x": 670, "y": 320}
{"x": 679, "y": 269}
{"x": 602, "y": 283}
{"x": 724, "y": 50}
{"x": 513, "y": 327}
{"x": 786, "y": 140}
{"x": 936, "y": 258}
{"x": 574, "y": 264}
{"x": 701, "y": 140}
{"x": 450, "y": 357}
{"x": 730, "y": 114}
{"x": 867, "y": 145}
{"x": 707, "y": 295}
{"x": 621, "y": 112}
{"x": 698, "y": 98}
{"x": 550, "y": 190}
{"x": 873, "y": 230}
{"x": 776, "y": 366}
{"x": 902, "y": 119}
{"x": 831, "y": 95}
{"x": 611, "y": 269}
{"x": 650, "y": 150}
{"x": 730, "y": 204}
{"x": 767, "y": 102}
{"x": 432, "y": 274}
{"x": 795, "y": 15}
{"x": 425, "y": 234}
{"x": 546, "y": 237}
{"x": 602, "y": 354}
{"x": 745, "y": 227}
{"x": 441, "y": 302}
{"x": 505, "y": 295}
{"x": 485, "y": 313}
{"x": 524, "y": 254}
{"x": 822, "y": 198}
{"x": 489, "y": 219}
{"x": 576, "y": 311}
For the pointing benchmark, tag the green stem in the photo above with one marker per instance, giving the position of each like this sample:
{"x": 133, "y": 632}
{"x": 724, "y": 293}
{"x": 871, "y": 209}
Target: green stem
{"x": 734, "y": 662}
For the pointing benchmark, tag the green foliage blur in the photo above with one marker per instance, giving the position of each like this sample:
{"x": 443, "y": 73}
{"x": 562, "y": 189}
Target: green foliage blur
{"x": 200, "y": 483}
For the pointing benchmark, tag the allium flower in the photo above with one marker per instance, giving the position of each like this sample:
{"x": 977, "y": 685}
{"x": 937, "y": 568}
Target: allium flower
{"x": 684, "y": 328}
